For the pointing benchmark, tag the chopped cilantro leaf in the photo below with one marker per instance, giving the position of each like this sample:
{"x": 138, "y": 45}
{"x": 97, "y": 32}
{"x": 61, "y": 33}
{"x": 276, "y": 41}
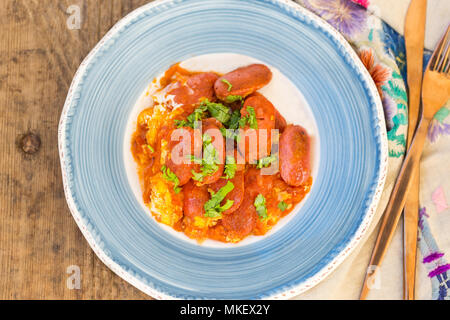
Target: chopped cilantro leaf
{"x": 194, "y": 159}
{"x": 192, "y": 119}
{"x": 265, "y": 162}
{"x": 213, "y": 209}
{"x": 170, "y": 176}
{"x": 260, "y": 205}
{"x": 217, "y": 110}
{"x": 242, "y": 121}
{"x": 181, "y": 123}
{"x": 230, "y": 167}
{"x": 197, "y": 115}
{"x": 226, "y": 133}
{"x": 209, "y": 161}
{"x": 227, "y": 83}
{"x": 232, "y": 98}
{"x": 237, "y": 136}
{"x": 230, "y": 134}
{"x": 150, "y": 148}
{"x": 249, "y": 119}
{"x": 206, "y": 138}
{"x": 233, "y": 123}
{"x": 197, "y": 176}
{"x": 282, "y": 205}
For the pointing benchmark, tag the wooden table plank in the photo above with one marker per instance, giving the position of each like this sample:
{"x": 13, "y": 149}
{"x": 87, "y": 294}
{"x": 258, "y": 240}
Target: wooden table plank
{"x": 39, "y": 239}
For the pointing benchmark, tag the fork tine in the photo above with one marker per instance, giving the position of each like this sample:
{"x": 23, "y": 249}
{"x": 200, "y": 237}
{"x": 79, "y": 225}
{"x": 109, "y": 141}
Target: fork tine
{"x": 444, "y": 57}
{"x": 436, "y": 58}
{"x": 445, "y": 61}
{"x": 446, "y": 64}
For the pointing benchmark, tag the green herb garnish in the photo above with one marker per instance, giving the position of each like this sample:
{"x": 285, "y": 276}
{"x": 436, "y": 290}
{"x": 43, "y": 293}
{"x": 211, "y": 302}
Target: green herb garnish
{"x": 226, "y": 133}
{"x": 217, "y": 110}
{"x": 181, "y": 123}
{"x": 213, "y": 209}
{"x": 249, "y": 119}
{"x": 197, "y": 115}
{"x": 282, "y": 205}
{"x": 233, "y": 98}
{"x": 231, "y": 134}
{"x": 193, "y": 118}
{"x": 197, "y": 176}
{"x": 265, "y": 162}
{"x": 209, "y": 161}
{"x": 242, "y": 122}
{"x": 233, "y": 123}
{"x": 170, "y": 176}
{"x": 260, "y": 205}
{"x": 150, "y": 148}
{"x": 227, "y": 83}
{"x": 230, "y": 167}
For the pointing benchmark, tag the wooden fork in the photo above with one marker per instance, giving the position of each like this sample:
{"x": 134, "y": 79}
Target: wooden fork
{"x": 435, "y": 93}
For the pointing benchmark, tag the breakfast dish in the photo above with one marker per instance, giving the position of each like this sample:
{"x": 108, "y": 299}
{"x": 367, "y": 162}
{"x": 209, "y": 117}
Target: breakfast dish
{"x": 216, "y": 159}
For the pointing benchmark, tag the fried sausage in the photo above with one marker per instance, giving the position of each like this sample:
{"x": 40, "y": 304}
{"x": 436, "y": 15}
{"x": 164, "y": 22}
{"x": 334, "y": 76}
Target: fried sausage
{"x": 211, "y": 126}
{"x": 241, "y": 222}
{"x": 265, "y": 119}
{"x": 209, "y": 123}
{"x": 242, "y": 81}
{"x": 294, "y": 155}
{"x": 256, "y": 183}
{"x": 280, "y": 121}
{"x": 198, "y": 87}
{"x": 195, "y": 198}
{"x": 236, "y": 195}
{"x": 181, "y": 145}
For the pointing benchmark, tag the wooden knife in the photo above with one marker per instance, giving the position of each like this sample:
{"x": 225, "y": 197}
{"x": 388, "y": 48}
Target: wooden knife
{"x": 414, "y": 39}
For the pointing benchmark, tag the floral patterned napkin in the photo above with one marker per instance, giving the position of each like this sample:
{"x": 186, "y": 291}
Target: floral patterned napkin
{"x": 382, "y": 51}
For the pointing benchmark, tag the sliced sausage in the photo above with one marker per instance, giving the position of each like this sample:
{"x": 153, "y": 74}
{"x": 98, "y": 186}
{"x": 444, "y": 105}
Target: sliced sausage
{"x": 181, "y": 145}
{"x": 265, "y": 118}
{"x": 256, "y": 183}
{"x": 242, "y": 81}
{"x": 198, "y": 87}
{"x": 211, "y": 127}
{"x": 280, "y": 121}
{"x": 195, "y": 198}
{"x": 294, "y": 155}
{"x": 211, "y": 123}
{"x": 241, "y": 222}
{"x": 236, "y": 195}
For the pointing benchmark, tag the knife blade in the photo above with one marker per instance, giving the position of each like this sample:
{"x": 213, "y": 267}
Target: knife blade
{"x": 414, "y": 43}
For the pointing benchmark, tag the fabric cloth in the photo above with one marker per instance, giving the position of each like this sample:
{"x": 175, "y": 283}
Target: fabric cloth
{"x": 382, "y": 50}
{"x": 393, "y": 12}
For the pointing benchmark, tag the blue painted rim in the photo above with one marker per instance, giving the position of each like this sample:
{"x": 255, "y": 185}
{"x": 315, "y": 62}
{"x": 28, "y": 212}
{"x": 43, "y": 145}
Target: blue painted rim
{"x": 353, "y": 151}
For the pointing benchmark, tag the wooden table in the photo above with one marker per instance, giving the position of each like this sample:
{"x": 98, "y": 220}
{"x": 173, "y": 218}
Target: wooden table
{"x": 39, "y": 239}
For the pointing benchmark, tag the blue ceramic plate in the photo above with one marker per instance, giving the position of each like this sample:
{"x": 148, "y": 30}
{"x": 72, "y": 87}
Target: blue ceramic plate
{"x": 350, "y": 125}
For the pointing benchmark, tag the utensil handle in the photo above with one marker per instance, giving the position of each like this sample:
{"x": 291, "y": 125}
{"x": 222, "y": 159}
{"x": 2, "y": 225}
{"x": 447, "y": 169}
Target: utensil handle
{"x": 411, "y": 221}
{"x": 396, "y": 203}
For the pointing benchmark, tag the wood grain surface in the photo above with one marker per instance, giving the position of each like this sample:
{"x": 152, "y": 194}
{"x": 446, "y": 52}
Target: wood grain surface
{"x": 39, "y": 239}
